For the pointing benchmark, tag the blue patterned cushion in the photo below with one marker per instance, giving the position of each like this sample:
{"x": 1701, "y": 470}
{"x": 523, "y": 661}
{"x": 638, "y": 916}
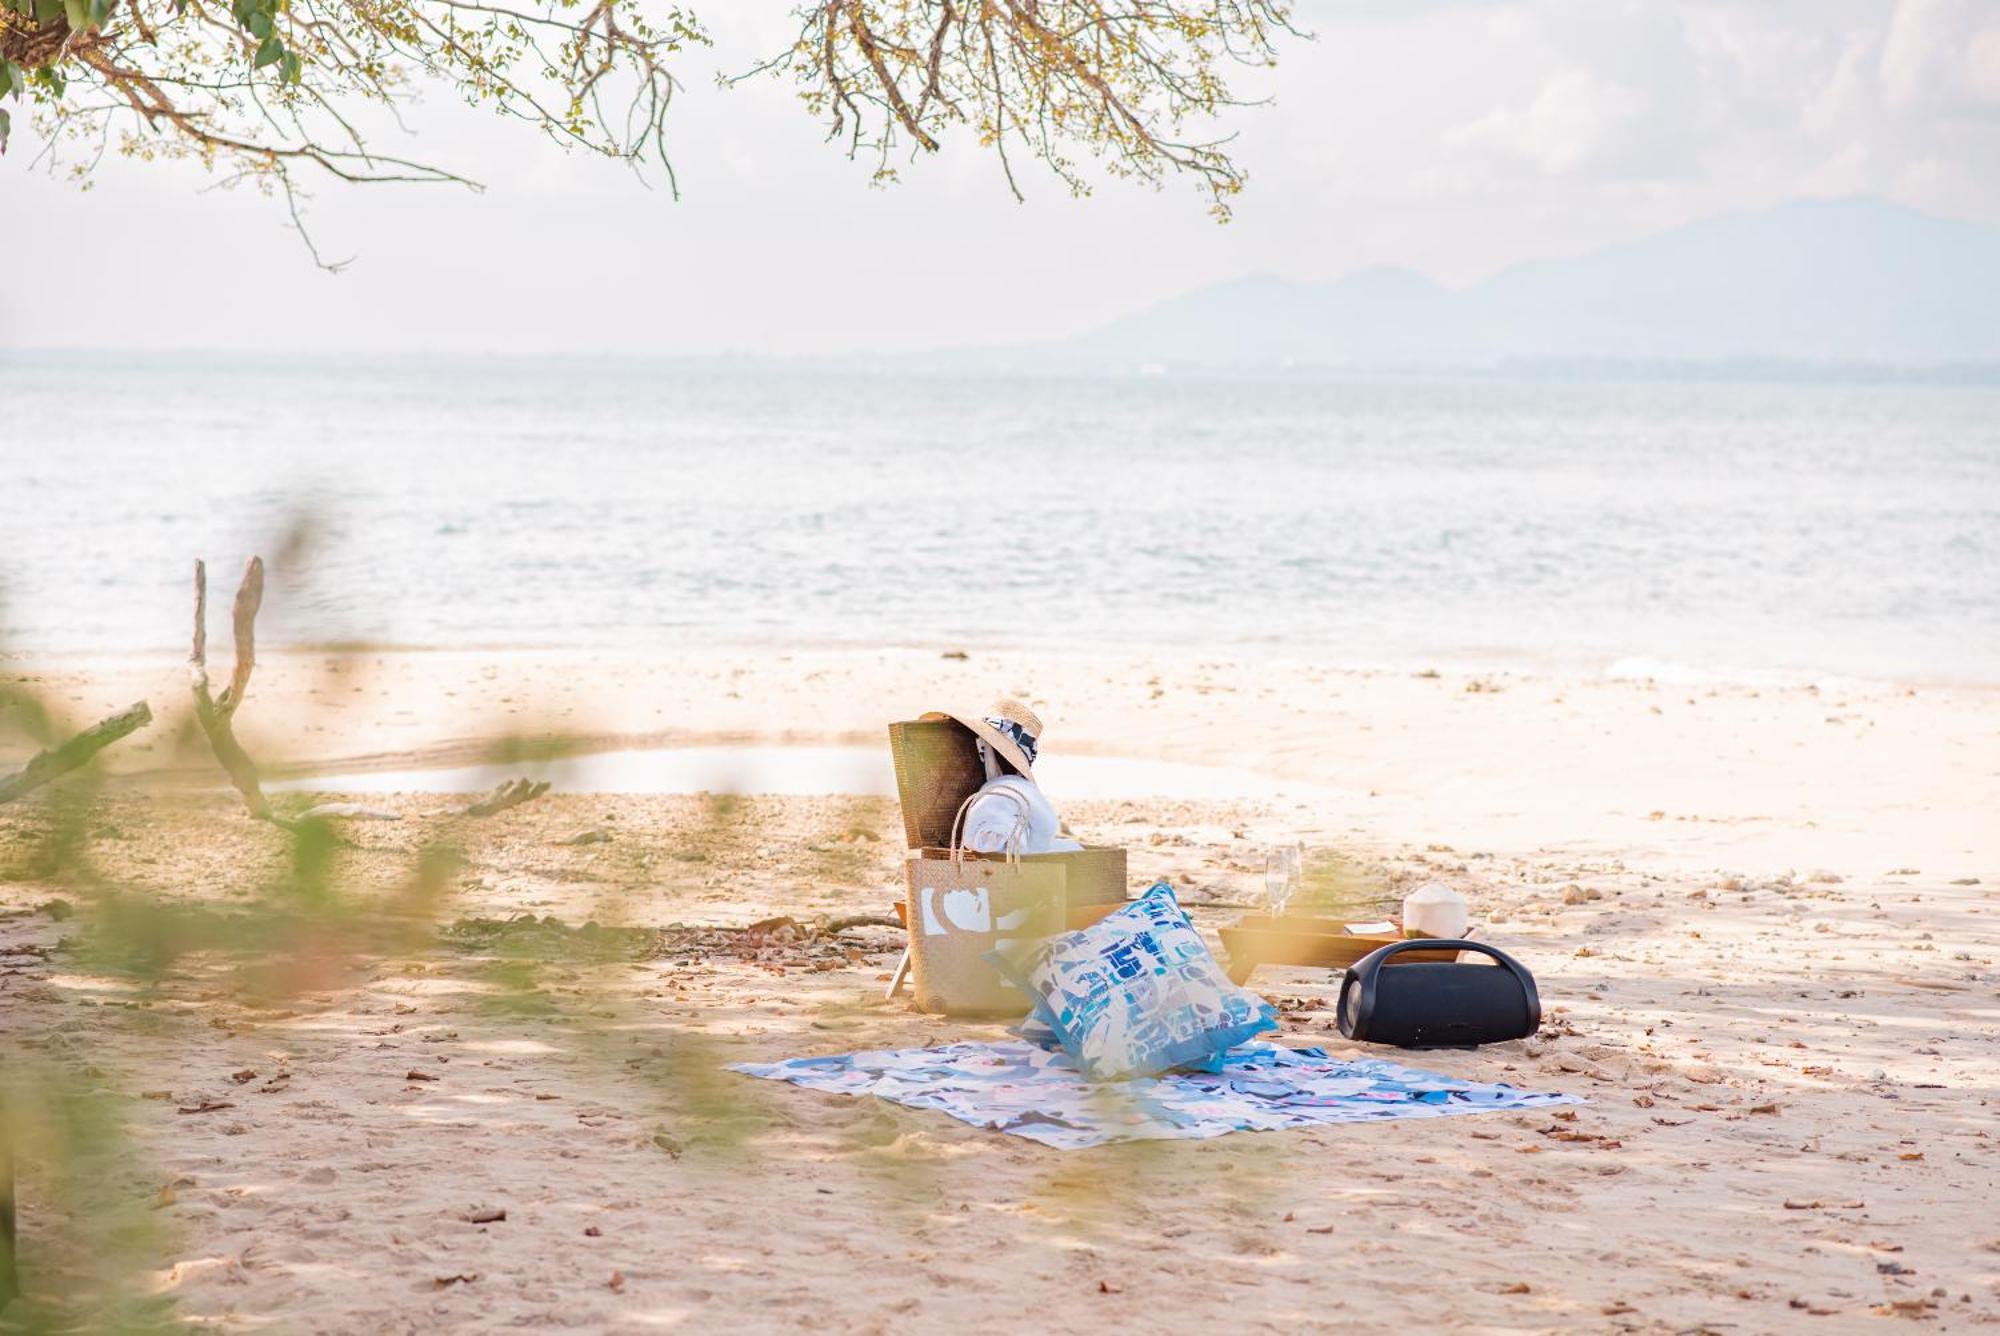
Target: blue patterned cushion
{"x": 1136, "y": 993}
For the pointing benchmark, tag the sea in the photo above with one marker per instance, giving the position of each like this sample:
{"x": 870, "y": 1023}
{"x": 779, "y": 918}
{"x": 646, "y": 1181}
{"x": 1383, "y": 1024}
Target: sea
{"x": 1684, "y": 530}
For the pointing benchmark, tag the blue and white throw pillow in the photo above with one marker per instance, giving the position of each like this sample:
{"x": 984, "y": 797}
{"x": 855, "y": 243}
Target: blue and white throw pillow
{"x": 1136, "y": 993}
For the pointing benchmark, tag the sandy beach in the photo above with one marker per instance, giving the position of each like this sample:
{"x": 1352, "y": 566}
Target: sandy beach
{"x": 1761, "y": 917}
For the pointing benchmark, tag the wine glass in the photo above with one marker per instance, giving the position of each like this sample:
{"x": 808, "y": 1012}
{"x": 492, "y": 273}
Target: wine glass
{"x": 1281, "y": 877}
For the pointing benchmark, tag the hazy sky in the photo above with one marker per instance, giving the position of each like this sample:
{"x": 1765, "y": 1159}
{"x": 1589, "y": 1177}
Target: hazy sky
{"x": 1452, "y": 136}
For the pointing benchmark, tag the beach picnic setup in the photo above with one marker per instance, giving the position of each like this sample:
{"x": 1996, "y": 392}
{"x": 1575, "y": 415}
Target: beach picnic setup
{"x": 1125, "y": 1026}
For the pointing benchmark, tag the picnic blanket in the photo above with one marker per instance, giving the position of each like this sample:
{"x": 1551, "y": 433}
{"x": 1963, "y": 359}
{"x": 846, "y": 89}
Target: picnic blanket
{"x": 1035, "y": 1092}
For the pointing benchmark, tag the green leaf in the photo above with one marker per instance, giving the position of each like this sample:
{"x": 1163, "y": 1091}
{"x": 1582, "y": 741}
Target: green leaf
{"x": 7, "y": 83}
{"x": 78, "y": 13}
{"x": 259, "y": 25}
{"x": 48, "y": 11}
{"x": 6, "y": 124}
{"x": 100, "y": 12}
{"x": 271, "y": 49}
{"x": 292, "y": 67}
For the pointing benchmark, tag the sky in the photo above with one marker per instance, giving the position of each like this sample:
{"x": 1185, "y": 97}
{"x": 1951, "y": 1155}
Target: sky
{"x": 1454, "y": 137}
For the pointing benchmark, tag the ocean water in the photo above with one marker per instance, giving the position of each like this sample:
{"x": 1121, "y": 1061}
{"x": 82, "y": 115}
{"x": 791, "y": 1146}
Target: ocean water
{"x": 1697, "y": 529}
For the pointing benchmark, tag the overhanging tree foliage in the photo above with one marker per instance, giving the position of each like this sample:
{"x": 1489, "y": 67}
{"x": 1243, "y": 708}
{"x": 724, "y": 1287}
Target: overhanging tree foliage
{"x": 264, "y": 88}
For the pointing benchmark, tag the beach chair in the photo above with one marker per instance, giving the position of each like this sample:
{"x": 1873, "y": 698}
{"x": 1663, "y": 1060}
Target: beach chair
{"x": 937, "y": 769}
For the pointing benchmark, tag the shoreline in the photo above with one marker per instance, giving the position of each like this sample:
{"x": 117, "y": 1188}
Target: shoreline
{"x": 1529, "y": 665}
{"x": 1803, "y": 777}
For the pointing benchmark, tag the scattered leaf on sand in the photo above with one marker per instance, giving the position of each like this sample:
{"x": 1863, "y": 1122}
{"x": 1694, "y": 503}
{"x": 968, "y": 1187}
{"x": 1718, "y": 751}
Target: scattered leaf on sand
{"x": 462, "y": 1278}
{"x": 245, "y": 1075}
{"x": 1911, "y": 1155}
{"x": 1319, "y": 1229}
{"x": 1765, "y": 1108}
{"x": 1106, "y": 1287}
{"x": 205, "y": 1106}
{"x": 617, "y": 1282}
{"x": 1518, "y": 1287}
{"x": 1617, "y": 1308}
{"x": 592, "y": 1232}
{"x": 414, "y": 1075}
{"x": 489, "y": 1215}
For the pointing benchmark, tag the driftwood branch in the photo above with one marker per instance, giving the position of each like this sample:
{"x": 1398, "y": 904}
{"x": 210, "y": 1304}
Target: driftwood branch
{"x": 828, "y": 927}
{"x": 59, "y": 761}
{"x": 512, "y": 793}
{"x": 783, "y": 927}
{"x": 343, "y": 811}
{"x": 216, "y": 715}
{"x": 243, "y": 619}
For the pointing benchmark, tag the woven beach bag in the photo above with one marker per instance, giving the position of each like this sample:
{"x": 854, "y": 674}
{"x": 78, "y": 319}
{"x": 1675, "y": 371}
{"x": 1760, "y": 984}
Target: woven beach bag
{"x": 958, "y": 909}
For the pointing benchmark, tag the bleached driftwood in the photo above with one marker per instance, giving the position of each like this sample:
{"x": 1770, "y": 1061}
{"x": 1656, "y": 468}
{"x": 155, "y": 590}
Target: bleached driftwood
{"x": 59, "y": 761}
{"x": 512, "y": 793}
{"x": 216, "y": 714}
{"x": 347, "y": 812}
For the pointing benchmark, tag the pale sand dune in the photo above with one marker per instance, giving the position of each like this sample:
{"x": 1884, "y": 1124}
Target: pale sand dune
{"x": 1784, "y": 1011}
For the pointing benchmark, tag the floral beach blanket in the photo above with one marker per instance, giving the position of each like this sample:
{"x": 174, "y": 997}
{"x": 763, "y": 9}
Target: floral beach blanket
{"x": 1034, "y": 1092}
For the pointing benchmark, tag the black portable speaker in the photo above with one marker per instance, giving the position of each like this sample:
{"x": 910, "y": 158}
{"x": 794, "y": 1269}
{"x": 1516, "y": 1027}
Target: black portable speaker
{"x": 1426, "y": 1004}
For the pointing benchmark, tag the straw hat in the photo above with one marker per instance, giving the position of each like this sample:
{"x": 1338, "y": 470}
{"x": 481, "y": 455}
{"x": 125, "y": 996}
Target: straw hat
{"x": 1008, "y": 726}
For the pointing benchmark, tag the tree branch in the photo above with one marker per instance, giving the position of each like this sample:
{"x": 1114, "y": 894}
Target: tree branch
{"x": 58, "y": 761}
{"x": 511, "y": 793}
{"x": 217, "y": 718}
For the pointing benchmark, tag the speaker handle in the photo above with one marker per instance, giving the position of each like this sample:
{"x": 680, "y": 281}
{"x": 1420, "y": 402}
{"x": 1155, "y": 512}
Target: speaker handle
{"x": 1367, "y": 969}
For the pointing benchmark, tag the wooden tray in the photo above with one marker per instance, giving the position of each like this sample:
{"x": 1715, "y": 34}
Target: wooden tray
{"x": 1259, "y": 939}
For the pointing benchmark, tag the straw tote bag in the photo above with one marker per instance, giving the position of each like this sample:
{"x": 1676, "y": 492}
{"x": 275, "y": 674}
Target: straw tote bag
{"x": 959, "y": 909}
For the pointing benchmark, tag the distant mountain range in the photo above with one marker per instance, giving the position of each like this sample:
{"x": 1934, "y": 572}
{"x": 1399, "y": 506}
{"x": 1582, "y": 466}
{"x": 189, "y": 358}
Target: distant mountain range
{"x": 1828, "y": 285}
